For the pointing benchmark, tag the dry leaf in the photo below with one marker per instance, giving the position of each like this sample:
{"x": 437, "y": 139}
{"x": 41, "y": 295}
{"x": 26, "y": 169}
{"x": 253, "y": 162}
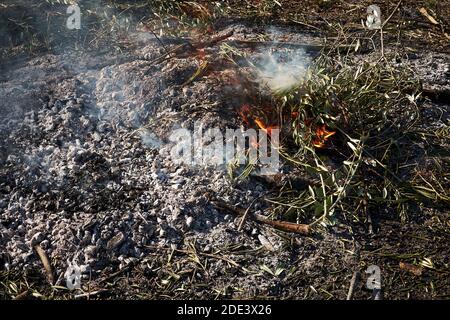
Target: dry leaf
{"x": 266, "y": 243}
{"x": 425, "y": 13}
{"x": 415, "y": 270}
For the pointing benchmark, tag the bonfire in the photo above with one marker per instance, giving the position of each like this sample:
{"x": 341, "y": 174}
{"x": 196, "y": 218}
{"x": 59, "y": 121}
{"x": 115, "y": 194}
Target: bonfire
{"x": 227, "y": 150}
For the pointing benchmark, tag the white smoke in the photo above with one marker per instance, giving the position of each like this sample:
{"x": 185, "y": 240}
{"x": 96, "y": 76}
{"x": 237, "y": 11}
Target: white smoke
{"x": 283, "y": 69}
{"x": 150, "y": 140}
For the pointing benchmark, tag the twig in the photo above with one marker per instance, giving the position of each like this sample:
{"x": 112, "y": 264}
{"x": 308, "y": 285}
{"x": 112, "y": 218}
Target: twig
{"x": 166, "y": 55}
{"x": 382, "y": 26}
{"x": 159, "y": 40}
{"x": 46, "y": 262}
{"x": 389, "y": 18}
{"x": 22, "y": 295}
{"x": 212, "y": 41}
{"x": 88, "y": 294}
{"x": 187, "y": 47}
{"x": 305, "y": 24}
{"x": 112, "y": 276}
{"x": 353, "y": 282}
{"x": 302, "y": 229}
{"x": 241, "y": 224}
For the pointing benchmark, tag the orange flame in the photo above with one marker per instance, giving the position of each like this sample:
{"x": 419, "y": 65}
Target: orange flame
{"x": 264, "y": 127}
{"x": 322, "y": 135}
{"x": 246, "y": 114}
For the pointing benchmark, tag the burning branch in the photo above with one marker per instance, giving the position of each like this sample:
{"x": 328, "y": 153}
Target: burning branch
{"x": 246, "y": 113}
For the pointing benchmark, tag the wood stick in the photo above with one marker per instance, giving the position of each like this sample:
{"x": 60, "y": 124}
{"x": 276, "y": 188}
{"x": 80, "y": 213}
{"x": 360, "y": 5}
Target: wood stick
{"x": 46, "y": 262}
{"x": 353, "y": 282}
{"x": 197, "y": 45}
{"x": 306, "y": 47}
{"x": 89, "y": 294}
{"x": 241, "y": 224}
{"x": 115, "y": 274}
{"x": 392, "y": 14}
{"x": 212, "y": 41}
{"x": 302, "y": 229}
{"x": 187, "y": 47}
{"x": 21, "y": 296}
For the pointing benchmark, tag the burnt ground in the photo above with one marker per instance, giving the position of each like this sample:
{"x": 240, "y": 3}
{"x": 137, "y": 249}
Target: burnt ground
{"x": 86, "y": 174}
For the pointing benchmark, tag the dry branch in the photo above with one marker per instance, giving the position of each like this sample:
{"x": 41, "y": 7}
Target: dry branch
{"x": 306, "y": 47}
{"x": 186, "y": 47}
{"x": 46, "y": 262}
{"x": 213, "y": 41}
{"x": 302, "y": 229}
{"x": 353, "y": 282}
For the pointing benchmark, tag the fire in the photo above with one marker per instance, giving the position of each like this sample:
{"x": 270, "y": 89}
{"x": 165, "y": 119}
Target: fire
{"x": 267, "y": 129}
{"x": 248, "y": 117}
{"x": 322, "y": 135}
{"x": 246, "y": 114}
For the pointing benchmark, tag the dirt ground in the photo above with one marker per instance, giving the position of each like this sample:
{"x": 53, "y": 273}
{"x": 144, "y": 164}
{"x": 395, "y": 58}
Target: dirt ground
{"x": 85, "y": 173}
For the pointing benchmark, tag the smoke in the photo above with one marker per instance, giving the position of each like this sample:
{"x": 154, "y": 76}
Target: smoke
{"x": 150, "y": 140}
{"x": 282, "y": 66}
{"x": 283, "y": 69}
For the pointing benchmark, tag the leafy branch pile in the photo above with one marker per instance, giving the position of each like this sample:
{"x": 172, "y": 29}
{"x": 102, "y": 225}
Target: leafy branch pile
{"x": 370, "y": 163}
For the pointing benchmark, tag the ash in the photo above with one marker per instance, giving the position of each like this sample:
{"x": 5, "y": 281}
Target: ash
{"x": 84, "y": 168}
